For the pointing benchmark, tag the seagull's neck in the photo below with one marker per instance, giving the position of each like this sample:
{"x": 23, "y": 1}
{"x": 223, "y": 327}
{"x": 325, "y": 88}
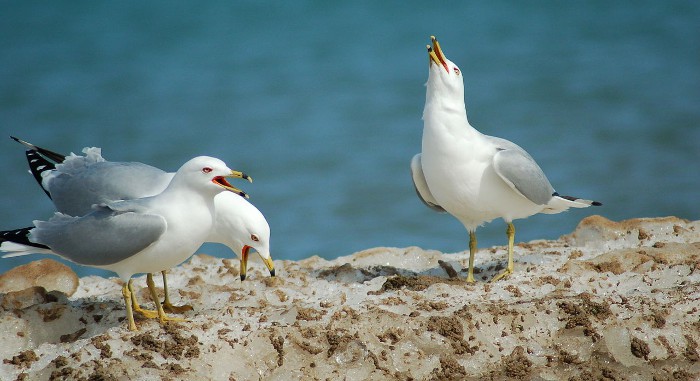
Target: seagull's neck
{"x": 444, "y": 115}
{"x": 196, "y": 206}
{"x": 178, "y": 191}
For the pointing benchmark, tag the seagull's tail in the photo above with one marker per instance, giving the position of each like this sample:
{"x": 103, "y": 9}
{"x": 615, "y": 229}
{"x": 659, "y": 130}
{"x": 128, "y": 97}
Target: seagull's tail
{"x": 16, "y": 243}
{"x": 560, "y": 203}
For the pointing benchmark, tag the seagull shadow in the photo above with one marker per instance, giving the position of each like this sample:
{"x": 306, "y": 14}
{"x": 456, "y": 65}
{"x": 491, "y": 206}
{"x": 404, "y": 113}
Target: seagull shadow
{"x": 396, "y": 277}
{"x": 449, "y": 272}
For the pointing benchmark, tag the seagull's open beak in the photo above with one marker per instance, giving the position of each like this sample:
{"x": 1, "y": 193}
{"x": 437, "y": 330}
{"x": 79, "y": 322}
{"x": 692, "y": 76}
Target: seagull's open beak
{"x": 221, "y": 181}
{"x": 436, "y": 54}
{"x": 244, "y": 262}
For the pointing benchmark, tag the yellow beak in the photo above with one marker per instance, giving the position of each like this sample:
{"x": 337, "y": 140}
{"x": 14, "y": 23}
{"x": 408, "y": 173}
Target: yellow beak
{"x": 221, "y": 181}
{"x": 244, "y": 263}
{"x": 436, "y": 55}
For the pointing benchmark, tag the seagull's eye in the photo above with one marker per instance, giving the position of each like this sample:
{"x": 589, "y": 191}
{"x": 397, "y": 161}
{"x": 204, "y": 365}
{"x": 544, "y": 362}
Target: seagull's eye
{"x": 254, "y": 237}
{"x": 456, "y": 69}
{"x": 206, "y": 169}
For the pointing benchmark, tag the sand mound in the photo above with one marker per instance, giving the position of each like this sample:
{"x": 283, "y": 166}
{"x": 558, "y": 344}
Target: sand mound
{"x": 612, "y": 300}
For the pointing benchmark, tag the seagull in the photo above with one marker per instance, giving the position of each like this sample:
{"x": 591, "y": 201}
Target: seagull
{"x": 143, "y": 235}
{"x": 475, "y": 177}
{"x": 75, "y": 183}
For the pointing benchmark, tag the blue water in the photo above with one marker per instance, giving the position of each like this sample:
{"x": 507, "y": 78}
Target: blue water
{"x": 321, "y": 103}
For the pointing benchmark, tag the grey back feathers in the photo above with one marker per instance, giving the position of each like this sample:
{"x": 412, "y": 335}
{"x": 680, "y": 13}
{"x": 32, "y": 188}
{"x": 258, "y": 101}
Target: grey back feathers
{"x": 520, "y": 171}
{"x": 420, "y": 185}
{"x": 103, "y": 237}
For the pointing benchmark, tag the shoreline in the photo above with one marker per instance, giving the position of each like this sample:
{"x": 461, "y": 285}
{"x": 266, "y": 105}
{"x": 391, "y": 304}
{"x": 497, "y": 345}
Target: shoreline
{"x": 611, "y": 299}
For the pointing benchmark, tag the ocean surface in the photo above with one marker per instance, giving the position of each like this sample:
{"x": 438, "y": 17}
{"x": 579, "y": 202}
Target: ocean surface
{"x": 321, "y": 103}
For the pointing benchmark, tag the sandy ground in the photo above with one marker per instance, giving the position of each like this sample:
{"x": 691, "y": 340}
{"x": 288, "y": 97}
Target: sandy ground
{"x": 611, "y": 301}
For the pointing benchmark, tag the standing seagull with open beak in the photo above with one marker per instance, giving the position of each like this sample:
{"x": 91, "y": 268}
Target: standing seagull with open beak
{"x": 475, "y": 177}
{"x": 75, "y": 183}
{"x": 143, "y": 235}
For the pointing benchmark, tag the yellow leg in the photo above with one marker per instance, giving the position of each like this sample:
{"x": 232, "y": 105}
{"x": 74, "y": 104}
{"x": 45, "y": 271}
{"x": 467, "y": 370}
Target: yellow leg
{"x": 154, "y": 295}
{"x": 148, "y": 314}
{"x": 126, "y": 293}
{"x": 472, "y": 254}
{"x": 169, "y": 307}
{"x": 510, "y": 231}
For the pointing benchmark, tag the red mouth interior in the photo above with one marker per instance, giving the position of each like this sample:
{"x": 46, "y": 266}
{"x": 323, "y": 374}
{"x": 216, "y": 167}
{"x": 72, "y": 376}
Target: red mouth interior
{"x": 441, "y": 57}
{"x": 220, "y": 180}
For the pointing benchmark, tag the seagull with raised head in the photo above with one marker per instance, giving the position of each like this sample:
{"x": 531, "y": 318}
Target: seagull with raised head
{"x": 75, "y": 183}
{"x": 475, "y": 177}
{"x": 143, "y": 235}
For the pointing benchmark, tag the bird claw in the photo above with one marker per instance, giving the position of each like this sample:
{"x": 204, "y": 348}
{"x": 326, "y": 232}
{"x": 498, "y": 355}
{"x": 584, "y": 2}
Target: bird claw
{"x": 175, "y": 319}
{"x": 168, "y": 307}
{"x": 504, "y": 274}
{"x": 148, "y": 314}
{"x": 151, "y": 314}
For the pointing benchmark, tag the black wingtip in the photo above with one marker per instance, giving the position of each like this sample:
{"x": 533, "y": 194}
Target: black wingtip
{"x": 20, "y": 236}
{"x": 37, "y": 166}
{"x": 572, "y": 198}
{"x": 24, "y": 143}
{"x": 55, "y": 156}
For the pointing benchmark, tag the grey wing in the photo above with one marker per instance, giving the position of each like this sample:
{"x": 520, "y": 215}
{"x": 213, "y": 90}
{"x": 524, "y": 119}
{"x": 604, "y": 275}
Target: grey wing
{"x": 100, "y": 238}
{"x": 519, "y": 170}
{"x": 75, "y": 192}
{"x": 421, "y": 185}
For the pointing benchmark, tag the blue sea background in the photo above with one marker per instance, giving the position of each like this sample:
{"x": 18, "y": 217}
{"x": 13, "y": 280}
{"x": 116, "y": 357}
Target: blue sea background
{"x": 321, "y": 103}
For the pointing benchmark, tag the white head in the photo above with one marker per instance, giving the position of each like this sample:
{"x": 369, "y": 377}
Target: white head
{"x": 242, "y": 227}
{"x": 445, "y": 83}
{"x": 206, "y": 173}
